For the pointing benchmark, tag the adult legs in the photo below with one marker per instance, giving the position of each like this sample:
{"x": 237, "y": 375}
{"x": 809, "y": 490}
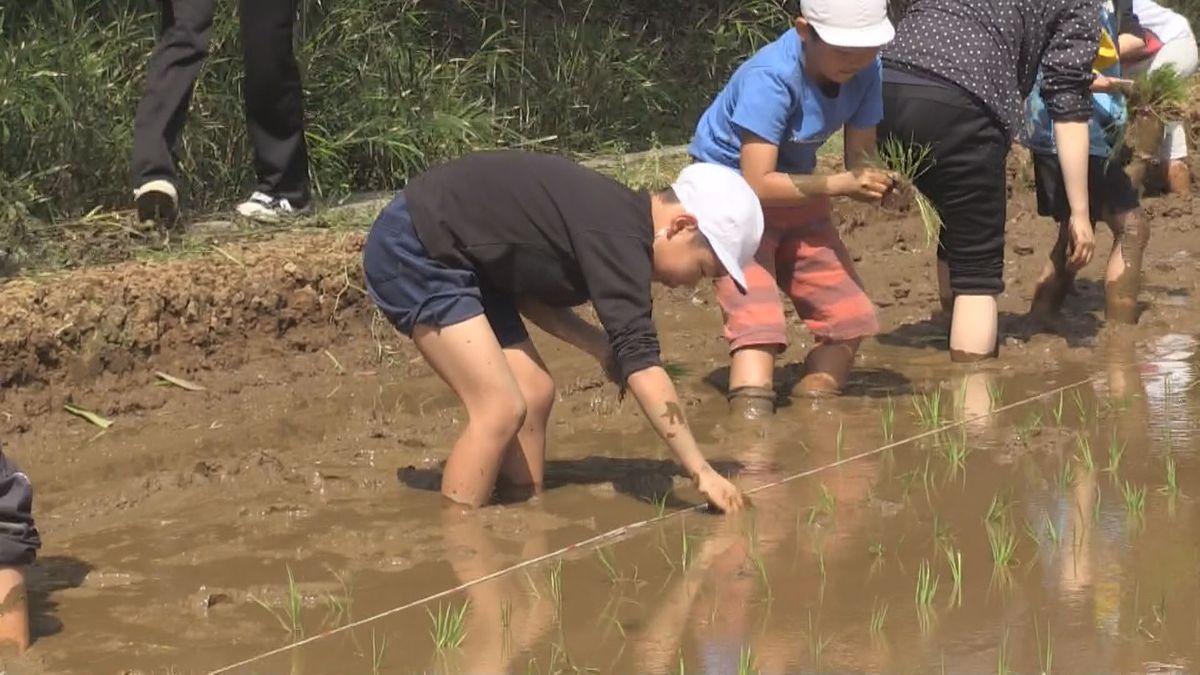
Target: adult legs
{"x": 158, "y": 121}
{"x": 274, "y": 99}
{"x": 965, "y": 180}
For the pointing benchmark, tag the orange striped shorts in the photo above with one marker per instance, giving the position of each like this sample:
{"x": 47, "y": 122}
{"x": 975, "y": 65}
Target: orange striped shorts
{"x": 802, "y": 255}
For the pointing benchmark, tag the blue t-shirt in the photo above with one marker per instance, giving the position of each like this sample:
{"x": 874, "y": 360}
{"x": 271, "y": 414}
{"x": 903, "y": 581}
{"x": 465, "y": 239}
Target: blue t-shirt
{"x": 771, "y": 97}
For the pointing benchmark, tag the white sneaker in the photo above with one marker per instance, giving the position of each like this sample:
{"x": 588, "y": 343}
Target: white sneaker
{"x": 267, "y": 209}
{"x": 157, "y": 200}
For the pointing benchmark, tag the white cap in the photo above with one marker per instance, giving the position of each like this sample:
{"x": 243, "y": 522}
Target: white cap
{"x": 849, "y": 23}
{"x": 727, "y": 211}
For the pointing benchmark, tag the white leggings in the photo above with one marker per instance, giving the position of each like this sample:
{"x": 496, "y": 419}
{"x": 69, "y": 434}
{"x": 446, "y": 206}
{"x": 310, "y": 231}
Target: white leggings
{"x": 1183, "y": 54}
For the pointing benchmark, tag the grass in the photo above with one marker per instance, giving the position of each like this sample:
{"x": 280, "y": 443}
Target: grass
{"x": 910, "y": 160}
{"x": 390, "y": 89}
{"x": 927, "y": 409}
{"x": 888, "y": 419}
{"x": 449, "y": 626}
{"x": 927, "y": 585}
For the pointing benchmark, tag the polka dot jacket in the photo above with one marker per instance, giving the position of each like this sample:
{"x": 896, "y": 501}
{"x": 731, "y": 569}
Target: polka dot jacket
{"x": 993, "y": 48}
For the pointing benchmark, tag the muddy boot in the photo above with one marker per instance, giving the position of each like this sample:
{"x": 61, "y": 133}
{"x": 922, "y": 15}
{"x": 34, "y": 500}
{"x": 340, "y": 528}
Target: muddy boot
{"x": 1179, "y": 178}
{"x": 751, "y": 402}
{"x": 818, "y": 385}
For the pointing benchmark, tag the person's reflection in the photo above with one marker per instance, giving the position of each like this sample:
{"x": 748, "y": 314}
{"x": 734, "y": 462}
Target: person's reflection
{"x": 1126, "y": 389}
{"x": 976, "y": 395}
{"x": 503, "y": 619}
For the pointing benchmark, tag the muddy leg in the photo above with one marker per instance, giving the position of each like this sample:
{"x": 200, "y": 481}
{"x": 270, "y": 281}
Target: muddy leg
{"x": 1179, "y": 177}
{"x": 751, "y": 379}
{"x": 945, "y": 295}
{"x": 468, "y": 357}
{"x": 827, "y": 367}
{"x": 1056, "y": 279}
{"x": 14, "y": 610}
{"x": 1123, "y": 278}
{"x": 523, "y": 470}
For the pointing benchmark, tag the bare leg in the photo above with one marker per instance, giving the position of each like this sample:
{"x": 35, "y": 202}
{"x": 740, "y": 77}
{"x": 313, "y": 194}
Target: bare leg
{"x": 14, "y": 610}
{"x": 1123, "y": 277}
{"x": 827, "y": 367}
{"x": 1056, "y": 279}
{"x": 468, "y": 357}
{"x": 751, "y": 381}
{"x": 974, "y": 328}
{"x": 523, "y": 470}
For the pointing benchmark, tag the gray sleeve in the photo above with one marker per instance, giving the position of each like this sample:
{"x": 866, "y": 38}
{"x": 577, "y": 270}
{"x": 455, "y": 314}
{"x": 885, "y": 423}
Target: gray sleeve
{"x": 19, "y": 538}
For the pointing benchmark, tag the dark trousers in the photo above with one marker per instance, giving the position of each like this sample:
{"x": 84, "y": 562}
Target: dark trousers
{"x": 965, "y": 176}
{"x": 272, "y": 92}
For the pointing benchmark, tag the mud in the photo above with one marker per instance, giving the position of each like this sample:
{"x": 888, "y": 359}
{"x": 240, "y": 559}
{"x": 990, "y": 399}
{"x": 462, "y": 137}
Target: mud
{"x": 313, "y": 454}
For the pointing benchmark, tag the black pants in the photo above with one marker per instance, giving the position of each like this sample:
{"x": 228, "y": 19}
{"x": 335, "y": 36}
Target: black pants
{"x": 965, "y": 178}
{"x": 272, "y": 92}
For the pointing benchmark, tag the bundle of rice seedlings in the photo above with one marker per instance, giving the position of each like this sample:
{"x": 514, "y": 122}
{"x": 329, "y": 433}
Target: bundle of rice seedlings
{"x": 1156, "y": 97}
{"x": 907, "y": 161}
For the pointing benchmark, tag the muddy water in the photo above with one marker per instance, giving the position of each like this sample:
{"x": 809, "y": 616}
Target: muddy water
{"x": 824, "y": 573}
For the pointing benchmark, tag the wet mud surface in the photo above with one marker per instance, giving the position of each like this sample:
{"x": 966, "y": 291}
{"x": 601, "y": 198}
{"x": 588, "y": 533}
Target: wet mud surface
{"x": 312, "y": 454}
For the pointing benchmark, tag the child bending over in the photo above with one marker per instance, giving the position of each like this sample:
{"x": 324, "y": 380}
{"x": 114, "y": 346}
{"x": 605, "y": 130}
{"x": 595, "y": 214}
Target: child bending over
{"x": 458, "y": 257}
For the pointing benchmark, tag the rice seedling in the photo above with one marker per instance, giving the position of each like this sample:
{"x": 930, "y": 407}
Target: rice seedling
{"x": 954, "y": 558}
{"x": 1058, "y": 410}
{"x": 1052, "y": 531}
{"x": 676, "y": 371}
{"x": 888, "y": 419}
{"x": 1115, "y": 452}
{"x": 746, "y": 662}
{"x": 927, "y": 585}
{"x": 825, "y": 506}
{"x": 999, "y": 508}
{"x": 908, "y": 161}
{"x": 1002, "y": 665}
{"x": 1077, "y": 397}
{"x": 378, "y": 648}
{"x": 556, "y": 583}
{"x": 337, "y": 605}
{"x": 927, "y": 409}
{"x": 1084, "y": 453}
{"x": 449, "y": 626}
{"x": 816, "y": 644}
{"x": 686, "y": 551}
{"x": 1135, "y": 499}
{"x": 878, "y": 617}
{"x": 610, "y": 570}
{"x": 1045, "y": 650}
{"x": 761, "y": 567}
{"x": 956, "y": 450}
{"x": 506, "y": 615}
{"x": 840, "y": 440}
{"x": 290, "y": 618}
{"x": 995, "y": 389}
{"x": 1003, "y": 544}
{"x": 1161, "y": 93}
{"x": 1171, "y": 489}
{"x": 1029, "y": 427}
{"x": 1066, "y": 477}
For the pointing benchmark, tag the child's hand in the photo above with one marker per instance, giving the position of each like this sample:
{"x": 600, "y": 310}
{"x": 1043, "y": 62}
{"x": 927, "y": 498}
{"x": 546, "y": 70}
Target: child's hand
{"x": 1083, "y": 242}
{"x": 1112, "y": 85}
{"x": 720, "y": 493}
{"x": 863, "y": 184}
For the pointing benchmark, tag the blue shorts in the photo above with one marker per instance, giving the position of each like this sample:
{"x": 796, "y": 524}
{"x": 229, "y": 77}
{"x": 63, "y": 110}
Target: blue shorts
{"x": 411, "y": 288}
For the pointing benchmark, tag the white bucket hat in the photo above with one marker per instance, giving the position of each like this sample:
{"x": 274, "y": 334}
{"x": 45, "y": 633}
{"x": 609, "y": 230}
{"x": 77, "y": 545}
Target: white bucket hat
{"x": 727, "y": 212}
